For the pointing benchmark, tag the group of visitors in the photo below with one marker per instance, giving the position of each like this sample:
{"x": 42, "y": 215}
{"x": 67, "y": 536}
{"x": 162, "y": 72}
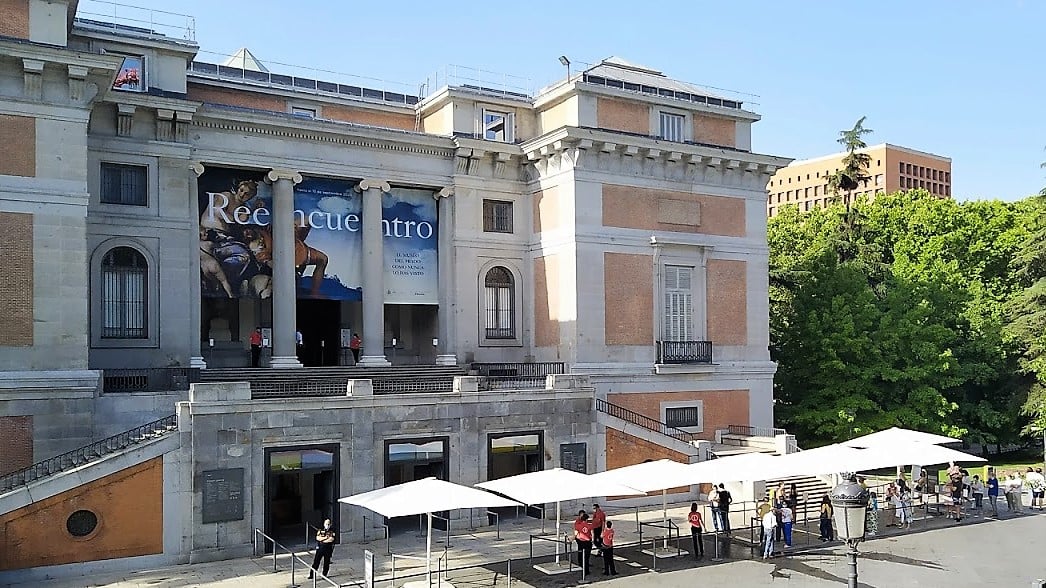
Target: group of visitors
{"x": 595, "y": 531}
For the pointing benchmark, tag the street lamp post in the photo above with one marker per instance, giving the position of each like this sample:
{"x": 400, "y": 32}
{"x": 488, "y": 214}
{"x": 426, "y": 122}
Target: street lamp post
{"x": 850, "y": 505}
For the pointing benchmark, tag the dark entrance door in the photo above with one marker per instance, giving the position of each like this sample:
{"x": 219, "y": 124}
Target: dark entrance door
{"x": 319, "y": 322}
{"x": 511, "y": 454}
{"x": 301, "y": 488}
{"x": 407, "y": 460}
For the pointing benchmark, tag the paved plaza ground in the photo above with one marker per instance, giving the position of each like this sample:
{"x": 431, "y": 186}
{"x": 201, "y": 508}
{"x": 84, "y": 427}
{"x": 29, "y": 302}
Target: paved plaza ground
{"x": 935, "y": 552}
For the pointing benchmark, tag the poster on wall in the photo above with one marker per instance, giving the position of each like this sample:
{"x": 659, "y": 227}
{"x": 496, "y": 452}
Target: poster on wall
{"x": 410, "y": 226}
{"x": 236, "y": 239}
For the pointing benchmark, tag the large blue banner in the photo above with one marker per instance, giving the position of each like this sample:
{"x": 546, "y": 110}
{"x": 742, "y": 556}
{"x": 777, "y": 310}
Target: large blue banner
{"x": 236, "y": 239}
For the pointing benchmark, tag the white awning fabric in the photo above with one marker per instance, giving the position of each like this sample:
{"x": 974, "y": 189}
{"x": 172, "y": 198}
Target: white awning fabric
{"x": 649, "y": 476}
{"x": 745, "y": 467}
{"x": 893, "y": 436}
{"x": 425, "y": 496}
{"x": 556, "y": 485}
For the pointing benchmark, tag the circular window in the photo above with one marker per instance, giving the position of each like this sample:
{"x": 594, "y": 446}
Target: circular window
{"x": 81, "y": 523}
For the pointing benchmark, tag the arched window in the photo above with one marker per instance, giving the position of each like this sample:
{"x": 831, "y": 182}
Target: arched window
{"x": 124, "y": 294}
{"x": 500, "y": 294}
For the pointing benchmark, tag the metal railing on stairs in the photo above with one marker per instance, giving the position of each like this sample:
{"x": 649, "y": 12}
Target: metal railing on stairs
{"x": 89, "y": 453}
{"x": 644, "y": 421}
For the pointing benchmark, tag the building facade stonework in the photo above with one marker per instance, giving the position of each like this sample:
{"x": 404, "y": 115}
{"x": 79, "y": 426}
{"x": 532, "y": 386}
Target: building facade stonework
{"x": 613, "y": 224}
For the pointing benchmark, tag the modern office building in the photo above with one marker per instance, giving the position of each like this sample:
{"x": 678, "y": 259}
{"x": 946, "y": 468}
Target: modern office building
{"x": 804, "y": 183}
{"x": 574, "y": 276}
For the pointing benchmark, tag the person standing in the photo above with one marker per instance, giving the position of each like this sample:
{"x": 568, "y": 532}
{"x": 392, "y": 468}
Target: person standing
{"x": 696, "y": 530}
{"x": 608, "y": 550}
{"x": 725, "y": 500}
{"x": 713, "y": 502}
{"x": 1036, "y": 484}
{"x": 993, "y": 492}
{"x": 599, "y": 518}
{"x": 769, "y": 524}
{"x": 827, "y": 532}
{"x": 977, "y": 488}
{"x": 583, "y": 538}
{"x": 324, "y": 548}
{"x": 760, "y": 511}
{"x": 786, "y": 522}
{"x": 256, "y": 346}
{"x": 354, "y": 346}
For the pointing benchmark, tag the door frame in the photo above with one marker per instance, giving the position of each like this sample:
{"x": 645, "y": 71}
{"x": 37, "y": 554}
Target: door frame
{"x": 333, "y": 448}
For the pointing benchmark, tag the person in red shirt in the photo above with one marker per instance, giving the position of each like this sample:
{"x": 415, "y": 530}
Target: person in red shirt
{"x": 256, "y": 343}
{"x": 599, "y": 518}
{"x": 608, "y": 550}
{"x": 354, "y": 346}
{"x": 696, "y": 529}
{"x": 583, "y": 537}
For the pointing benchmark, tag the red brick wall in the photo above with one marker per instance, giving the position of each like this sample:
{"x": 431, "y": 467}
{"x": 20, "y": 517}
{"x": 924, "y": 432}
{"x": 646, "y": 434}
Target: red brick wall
{"x": 727, "y": 302}
{"x": 625, "y": 450}
{"x": 17, "y": 144}
{"x": 628, "y": 286}
{"x": 16, "y": 278}
{"x": 16, "y": 439}
{"x": 14, "y": 18}
{"x": 129, "y": 508}
{"x": 720, "y": 407}
{"x": 239, "y": 98}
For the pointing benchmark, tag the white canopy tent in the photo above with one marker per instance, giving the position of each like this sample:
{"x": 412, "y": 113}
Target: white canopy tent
{"x": 895, "y": 435}
{"x": 834, "y": 459}
{"x": 744, "y": 467}
{"x": 650, "y": 476}
{"x": 555, "y": 485}
{"x": 425, "y": 497}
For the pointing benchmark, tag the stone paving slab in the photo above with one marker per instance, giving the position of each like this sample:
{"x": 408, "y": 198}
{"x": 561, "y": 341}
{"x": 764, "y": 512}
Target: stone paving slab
{"x": 986, "y": 549}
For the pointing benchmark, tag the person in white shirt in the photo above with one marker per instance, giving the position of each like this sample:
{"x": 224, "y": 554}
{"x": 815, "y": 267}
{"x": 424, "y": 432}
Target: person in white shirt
{"x": 1014, "y": 488}
{"x": 977, "y": 487}
{"x": 786, "y": 522}
{"x": 769, "y": 524}
{"x": 1037, "y": 485}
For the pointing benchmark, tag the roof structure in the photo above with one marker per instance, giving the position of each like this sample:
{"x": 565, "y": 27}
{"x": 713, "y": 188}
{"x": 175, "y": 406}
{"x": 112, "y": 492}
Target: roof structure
{"x": 618, "y": 69}
{"x": 244, "y": 59}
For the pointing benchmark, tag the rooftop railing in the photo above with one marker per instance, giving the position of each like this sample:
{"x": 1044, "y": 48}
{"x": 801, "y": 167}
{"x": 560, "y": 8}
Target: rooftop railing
{"x": 125, "y": 19}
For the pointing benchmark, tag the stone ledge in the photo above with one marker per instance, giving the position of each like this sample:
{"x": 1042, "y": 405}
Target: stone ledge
{"x": 46, "y": 385}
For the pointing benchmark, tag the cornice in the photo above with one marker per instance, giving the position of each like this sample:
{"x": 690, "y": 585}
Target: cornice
{"x": 60, "y": 55}
{"x": 299, "y": 94}
{"x": 265, "y": 124}
{"x": 571, "y": 148}
{"x": 153, "y": 102}
{"x": 476, "y": 157}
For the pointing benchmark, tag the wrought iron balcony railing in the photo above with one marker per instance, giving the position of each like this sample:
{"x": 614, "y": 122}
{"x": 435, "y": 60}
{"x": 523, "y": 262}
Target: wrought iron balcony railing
{"x": 684, "y": 352}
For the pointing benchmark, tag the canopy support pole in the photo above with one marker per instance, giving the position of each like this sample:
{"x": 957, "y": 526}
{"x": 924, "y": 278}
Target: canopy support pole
{"x": 556, "y": 533}
{"x": 428, "y": 552}
{"x": 664, "y": 511}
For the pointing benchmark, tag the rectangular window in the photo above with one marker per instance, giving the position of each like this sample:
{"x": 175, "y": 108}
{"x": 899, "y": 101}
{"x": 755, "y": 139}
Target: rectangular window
{"x": 497, "y": 216}
{"x": 132, "y": 75}
{"x": 679, "y": 303}
{"x": 908, "y": 169}
{"x": 124, "y": 184}
{"x": 806, "y": 192}
{"x": 683, "y": 417}
{"x": 498, "y": 126}
{"x": 900, "y": 167}
{"x": 303, "y": 112}
{"x": 879, "y": 179}
{"x": 123, "y": 303}
{"x": 672, "y": 126}
{"x": 817, "y": 190}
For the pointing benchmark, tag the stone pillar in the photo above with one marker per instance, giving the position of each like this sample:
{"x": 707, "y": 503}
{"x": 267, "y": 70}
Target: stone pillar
{"x": 195, "y": 301}
{"x": 446, "y": 350}
{"x": 373, "y": 353}
{"x": 284, "y": 278}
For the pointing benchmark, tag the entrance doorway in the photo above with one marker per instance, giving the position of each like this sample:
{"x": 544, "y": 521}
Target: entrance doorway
{"x": 319, "y": 322}
{"x": 301, "y": 488}
{"x": 407, "y": 460}
{"x": 511, "y": 454}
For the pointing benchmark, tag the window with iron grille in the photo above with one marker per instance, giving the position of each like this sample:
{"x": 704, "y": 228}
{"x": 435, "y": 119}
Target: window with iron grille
{"x": 497, "y": 216}
{"x": 679, "y": 304}
{"x": 124, "y": 294}
{"x": 499, "y": 290}
{"x": 124, "y": 184}
{"x": 683, "y": 417}
{"x": 672, "y": 126}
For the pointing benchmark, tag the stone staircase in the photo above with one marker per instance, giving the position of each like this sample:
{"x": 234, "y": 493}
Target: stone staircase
{"x": 649, "y": 429}
{"x": 810, "y": 490}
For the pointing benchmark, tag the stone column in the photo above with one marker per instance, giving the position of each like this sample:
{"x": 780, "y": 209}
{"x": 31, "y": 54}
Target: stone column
{"x": 445, "y": 351}
{"x": 284, "y": 278}
{"x": 373, "y": 353}
{"x": 195, "y": 301}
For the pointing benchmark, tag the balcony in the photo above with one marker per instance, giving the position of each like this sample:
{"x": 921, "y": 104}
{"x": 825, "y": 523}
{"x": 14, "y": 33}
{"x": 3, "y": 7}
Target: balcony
{"x": 684, "y": 352}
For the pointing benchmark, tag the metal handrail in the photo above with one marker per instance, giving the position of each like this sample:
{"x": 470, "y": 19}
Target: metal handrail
{"x": 316, "y": 576}
{"x": 644, "y": 421}
{"x": 88, "y": 453}
{"x": 750, "y": 431}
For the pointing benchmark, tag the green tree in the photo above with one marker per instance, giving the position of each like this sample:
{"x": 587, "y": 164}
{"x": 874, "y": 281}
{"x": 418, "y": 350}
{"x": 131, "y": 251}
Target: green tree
{"x": 854, "y": 172}
{"x": 1027, "y": 313}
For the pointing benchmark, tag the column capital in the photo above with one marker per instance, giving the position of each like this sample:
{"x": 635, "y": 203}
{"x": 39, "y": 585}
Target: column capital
{"x": 197, "y": 168}
{"x": 283, "y": 174}
{"x": 374, "y": 183}
{"x": 444, "y": 193}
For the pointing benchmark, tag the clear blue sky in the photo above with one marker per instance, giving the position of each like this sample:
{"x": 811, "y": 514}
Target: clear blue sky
{"x": 961, "y": 78}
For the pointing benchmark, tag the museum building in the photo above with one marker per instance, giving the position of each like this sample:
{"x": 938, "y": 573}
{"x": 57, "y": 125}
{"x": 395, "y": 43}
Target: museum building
{"x": 264, "y": 291}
